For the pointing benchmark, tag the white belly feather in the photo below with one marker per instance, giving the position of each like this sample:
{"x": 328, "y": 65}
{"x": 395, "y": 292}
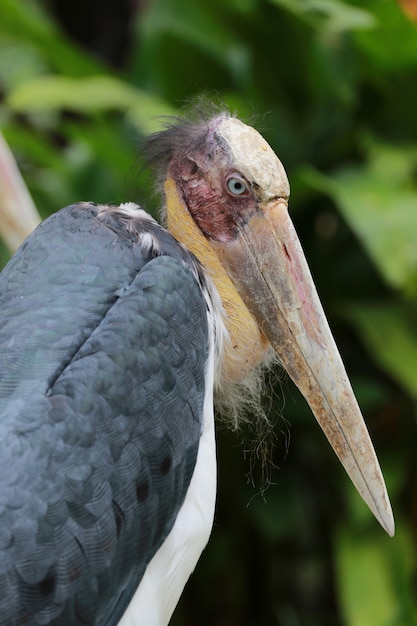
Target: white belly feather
{"x": 171, "y": 566}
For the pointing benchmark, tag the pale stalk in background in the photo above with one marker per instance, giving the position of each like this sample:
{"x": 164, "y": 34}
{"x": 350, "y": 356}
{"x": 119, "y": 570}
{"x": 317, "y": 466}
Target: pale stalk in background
{"x": 18, "y": 214}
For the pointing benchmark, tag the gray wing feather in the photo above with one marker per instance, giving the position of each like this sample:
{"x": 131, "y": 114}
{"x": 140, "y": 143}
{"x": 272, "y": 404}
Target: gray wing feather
{"x": 101, "y": 393}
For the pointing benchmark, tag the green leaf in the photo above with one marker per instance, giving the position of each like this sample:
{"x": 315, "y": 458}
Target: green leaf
{"x": 365, "y": 589}
{"x": 382, "y": 211}
{"x": 373, "y": 576}
{"x": 391, "y": 338}
{"x": 331, "y": 16}
{"x": 93, "y": 94}
{"x": 200, "y": 26}
{"x": 394, "y": 32}
{"x": 18, "y": 62}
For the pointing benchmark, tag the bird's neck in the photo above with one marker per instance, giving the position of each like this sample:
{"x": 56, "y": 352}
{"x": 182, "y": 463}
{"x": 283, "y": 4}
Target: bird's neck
{"x": 247, "y": 345}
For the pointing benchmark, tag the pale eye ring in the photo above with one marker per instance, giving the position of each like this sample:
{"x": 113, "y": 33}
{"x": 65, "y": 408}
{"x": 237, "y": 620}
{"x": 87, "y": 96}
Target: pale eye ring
{"x": 236, "y": 185}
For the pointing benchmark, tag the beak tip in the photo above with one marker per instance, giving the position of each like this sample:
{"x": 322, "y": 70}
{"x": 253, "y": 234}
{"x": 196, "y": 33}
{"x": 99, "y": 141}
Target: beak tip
{"x": 378, "y": 501}
{"x": 383, "y": 513}
{"x": 388, "y": 524}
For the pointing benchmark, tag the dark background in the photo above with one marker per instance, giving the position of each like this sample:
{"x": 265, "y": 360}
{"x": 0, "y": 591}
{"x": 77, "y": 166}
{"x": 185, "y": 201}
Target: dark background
{"x": 332, "y": 85}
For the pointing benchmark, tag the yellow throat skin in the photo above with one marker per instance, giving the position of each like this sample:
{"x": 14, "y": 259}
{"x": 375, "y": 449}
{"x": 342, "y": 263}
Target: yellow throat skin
{"x": 247, "y": 345}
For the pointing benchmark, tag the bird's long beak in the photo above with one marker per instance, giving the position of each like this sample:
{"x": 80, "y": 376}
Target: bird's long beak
{"x": 268, "y": 268}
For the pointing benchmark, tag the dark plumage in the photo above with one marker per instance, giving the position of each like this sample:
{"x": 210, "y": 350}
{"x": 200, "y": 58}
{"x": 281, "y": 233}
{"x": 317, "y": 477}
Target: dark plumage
{"x": 103, "y": 340}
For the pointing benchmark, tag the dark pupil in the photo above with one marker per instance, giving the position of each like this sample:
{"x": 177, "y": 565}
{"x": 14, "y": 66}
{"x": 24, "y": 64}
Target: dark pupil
{"x": 238, "y": 185}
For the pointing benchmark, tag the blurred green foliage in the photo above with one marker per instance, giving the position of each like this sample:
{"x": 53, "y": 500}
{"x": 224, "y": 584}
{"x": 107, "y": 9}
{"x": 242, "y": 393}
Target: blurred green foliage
{"x": 333, "y": 87}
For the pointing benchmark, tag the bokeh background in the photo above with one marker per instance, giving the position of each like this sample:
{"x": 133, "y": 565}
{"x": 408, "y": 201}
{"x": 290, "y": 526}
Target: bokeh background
{"x": 332, "y": 85}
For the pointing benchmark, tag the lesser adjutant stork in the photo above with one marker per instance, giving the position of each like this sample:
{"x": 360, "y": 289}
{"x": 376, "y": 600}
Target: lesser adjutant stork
{"x": 115, "y": 332}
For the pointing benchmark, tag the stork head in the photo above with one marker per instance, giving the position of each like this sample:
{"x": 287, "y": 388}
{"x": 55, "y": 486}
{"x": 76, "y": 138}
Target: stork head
{"x": 227, "y": 201}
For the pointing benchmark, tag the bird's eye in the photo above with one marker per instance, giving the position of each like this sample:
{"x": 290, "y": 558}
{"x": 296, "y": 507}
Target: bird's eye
{"x": 236, "y": 185}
